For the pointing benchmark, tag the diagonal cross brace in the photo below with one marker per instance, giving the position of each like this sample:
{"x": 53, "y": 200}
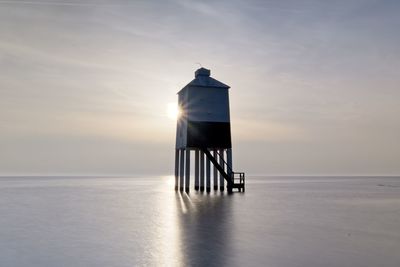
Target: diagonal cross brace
{"x": 219, "y": 168}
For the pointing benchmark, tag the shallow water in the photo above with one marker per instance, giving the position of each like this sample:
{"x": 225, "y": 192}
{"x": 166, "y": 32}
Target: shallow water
{"x": 278, "y": 221}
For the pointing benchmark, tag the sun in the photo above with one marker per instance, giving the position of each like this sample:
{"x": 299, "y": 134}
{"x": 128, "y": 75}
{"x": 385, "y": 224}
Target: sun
{"x": 173, "y": 111}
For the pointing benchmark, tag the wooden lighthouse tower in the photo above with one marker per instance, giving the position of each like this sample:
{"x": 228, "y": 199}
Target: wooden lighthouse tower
{"x": 204, "y": 128}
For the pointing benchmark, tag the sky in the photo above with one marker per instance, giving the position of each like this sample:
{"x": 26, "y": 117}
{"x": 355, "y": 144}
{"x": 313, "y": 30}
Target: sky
{"x": 85, "y": 85}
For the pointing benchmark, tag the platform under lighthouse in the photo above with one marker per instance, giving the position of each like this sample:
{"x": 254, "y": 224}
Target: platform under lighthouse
{"x": 204, "y": 129}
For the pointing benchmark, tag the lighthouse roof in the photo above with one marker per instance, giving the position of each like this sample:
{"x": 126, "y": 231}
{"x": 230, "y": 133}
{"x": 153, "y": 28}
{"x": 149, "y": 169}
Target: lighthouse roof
{"x": 203, "y": 79}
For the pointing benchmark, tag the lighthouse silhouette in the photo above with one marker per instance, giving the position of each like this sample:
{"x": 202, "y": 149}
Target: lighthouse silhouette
{"x": 204, "y": 129}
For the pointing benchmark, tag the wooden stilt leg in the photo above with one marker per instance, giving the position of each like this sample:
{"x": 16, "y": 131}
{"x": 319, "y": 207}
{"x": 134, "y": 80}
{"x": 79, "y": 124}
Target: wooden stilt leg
{"x": 187, "y": 170}
{"x": 201, "y": 171}
{"x": 208, "y": 174}
{"x": 176, "y": 168}
{"x": 215, "y": 173}
{"x": 182, "y": 168}
{"x": 221, "y": 162}
{"x": 196, "y": 170}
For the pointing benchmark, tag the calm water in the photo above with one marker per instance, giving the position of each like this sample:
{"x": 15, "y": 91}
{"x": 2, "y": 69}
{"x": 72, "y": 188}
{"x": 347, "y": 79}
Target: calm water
{"x": 281, "y": 221}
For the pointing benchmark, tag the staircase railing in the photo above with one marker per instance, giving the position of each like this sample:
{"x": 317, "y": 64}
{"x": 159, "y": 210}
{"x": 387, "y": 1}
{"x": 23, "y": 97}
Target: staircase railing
{"x": 239, "y": 176}
{"x": 228, "y": 168}
{"x": 218, "y": 166}
{"x": 229, "y": 176}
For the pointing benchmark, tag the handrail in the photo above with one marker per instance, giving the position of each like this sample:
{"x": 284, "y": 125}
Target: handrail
{"x": 229, "y": 176}
{"x": 223, "y": 161}
{"x": 241, "y": 177}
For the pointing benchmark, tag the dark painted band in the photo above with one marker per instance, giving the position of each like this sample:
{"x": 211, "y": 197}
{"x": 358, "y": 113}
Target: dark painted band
{"x": 209, "y": 134}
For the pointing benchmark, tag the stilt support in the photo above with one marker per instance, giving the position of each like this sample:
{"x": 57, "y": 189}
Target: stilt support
{"x": 176, "y": 168}
{"x": 201, "y": 171}
{"x": 196, "y": 170}
{"x": 221, "y": 162}
{"x": 208, "y": 174}
{"x": 215, "y": 173}
{"x": 229, "y": 161}
{"x": 182, "y": 168}
{"x": 187, "y": 170}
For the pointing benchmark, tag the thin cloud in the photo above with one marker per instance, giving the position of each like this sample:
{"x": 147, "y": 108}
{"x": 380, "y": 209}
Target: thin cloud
{"x": 50, "y": 3}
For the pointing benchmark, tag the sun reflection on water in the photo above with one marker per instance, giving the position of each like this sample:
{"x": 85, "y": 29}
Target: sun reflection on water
{"x": 193, "y": 226}
{"x": 169, "y": 243}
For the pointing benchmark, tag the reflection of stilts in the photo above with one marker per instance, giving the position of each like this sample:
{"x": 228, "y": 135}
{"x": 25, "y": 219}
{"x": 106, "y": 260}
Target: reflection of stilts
{"x": 209, "y": 222}
{"x": 204, "y": 127}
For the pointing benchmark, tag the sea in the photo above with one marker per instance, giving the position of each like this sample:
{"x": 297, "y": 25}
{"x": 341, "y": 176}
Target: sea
{"x": 143, "y": 221}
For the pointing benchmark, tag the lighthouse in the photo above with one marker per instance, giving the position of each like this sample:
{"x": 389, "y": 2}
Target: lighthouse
{"x": 204, "y": 129}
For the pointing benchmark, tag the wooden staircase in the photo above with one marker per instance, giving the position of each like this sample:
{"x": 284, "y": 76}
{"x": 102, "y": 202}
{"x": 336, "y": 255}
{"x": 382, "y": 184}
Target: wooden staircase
{"x": 233, "y": 179}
